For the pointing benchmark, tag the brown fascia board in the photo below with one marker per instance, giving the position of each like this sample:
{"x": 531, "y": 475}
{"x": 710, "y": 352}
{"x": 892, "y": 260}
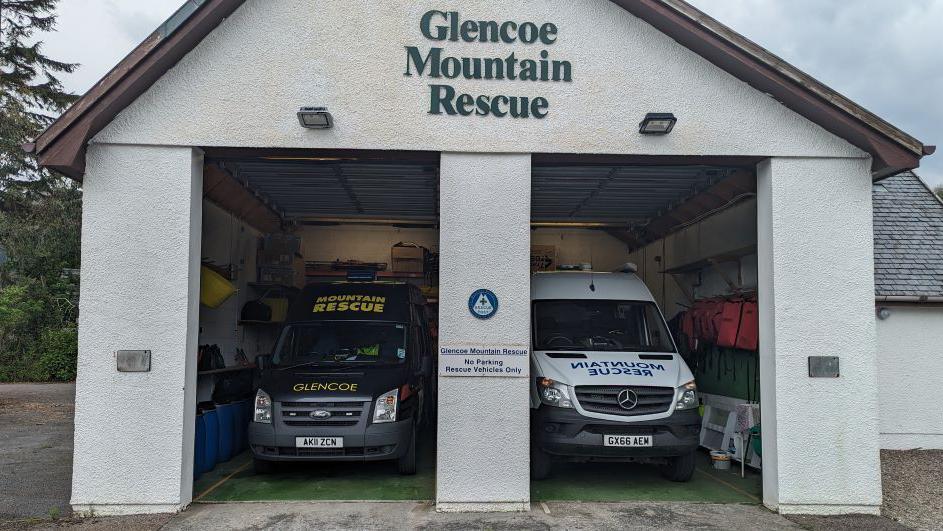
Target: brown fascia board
{"x": 62, "y": 146}
{"x": 892, "y": 149}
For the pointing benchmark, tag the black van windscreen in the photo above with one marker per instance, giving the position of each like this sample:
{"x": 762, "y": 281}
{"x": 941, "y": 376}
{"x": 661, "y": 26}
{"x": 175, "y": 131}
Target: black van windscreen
{"x": 341, "y": 343}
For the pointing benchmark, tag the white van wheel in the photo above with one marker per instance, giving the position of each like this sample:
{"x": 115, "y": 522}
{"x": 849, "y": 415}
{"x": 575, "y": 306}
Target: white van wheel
{"x": 680, "y": 468}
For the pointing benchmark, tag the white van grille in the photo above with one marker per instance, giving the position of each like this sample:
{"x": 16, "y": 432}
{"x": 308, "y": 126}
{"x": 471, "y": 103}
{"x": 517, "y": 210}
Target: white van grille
{"x": 605, "y": 399}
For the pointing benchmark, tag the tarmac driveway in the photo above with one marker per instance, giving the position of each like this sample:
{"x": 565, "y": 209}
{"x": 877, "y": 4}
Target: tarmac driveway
{"x": 35, "y": 450}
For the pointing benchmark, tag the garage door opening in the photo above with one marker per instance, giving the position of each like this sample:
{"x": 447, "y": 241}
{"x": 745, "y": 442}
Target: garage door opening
{"x": 614, "y": 387}
{"x": 319, "y": 287}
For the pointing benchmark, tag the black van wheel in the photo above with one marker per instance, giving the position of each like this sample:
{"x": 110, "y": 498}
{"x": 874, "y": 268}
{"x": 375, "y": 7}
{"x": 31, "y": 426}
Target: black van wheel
{"x": 262, "y": 466}
{"x": 407, "y": 463}
{"x": 540, "y": 463}
{"x": 680, "y": 468}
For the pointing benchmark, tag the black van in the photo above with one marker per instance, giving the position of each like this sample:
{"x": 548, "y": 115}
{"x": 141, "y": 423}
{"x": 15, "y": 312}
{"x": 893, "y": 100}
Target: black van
{"x": 350, "y": 378}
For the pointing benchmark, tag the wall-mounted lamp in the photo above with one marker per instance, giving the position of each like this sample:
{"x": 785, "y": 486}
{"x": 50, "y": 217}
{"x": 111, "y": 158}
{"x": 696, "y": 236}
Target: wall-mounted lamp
{"x": 884, "y": 313}
{"x": 657, "y": 123}
{"x": 315, "y": 118}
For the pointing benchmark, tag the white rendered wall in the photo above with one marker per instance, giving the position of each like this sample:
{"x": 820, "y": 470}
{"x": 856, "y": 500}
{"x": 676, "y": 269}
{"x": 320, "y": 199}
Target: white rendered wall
{"x": 577, "y": 246}
{"x": 140, "y": 290}
{"x": 910, "y": 362}
{"x": 816, "y": 295}
{"x": 731, "y": 232}
{"x": 244, "y": 83}
{"x": 227, "y": 240}
{"x": 483, "y": 460}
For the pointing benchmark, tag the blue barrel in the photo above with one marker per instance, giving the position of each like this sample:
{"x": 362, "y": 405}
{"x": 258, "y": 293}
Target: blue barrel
{"x": 199, "y": 446}
{"x": 211, "y": 447}
{"x": 225, "y": 417}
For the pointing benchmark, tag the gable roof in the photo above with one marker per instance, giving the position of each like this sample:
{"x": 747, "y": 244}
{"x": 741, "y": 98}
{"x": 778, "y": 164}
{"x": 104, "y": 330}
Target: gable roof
{"x": 908, "y": 238}
{"x": 62, "y": 145}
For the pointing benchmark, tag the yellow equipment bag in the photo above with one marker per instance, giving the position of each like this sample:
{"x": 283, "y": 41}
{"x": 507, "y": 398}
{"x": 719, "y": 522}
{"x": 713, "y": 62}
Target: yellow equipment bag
{"x": 214, "y": 288}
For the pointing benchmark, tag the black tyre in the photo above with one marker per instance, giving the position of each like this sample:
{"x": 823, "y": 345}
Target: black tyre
{"x": 262, "y": 466}
{"x": 540, "y": 463}
{"x": 680, "y": 468}
{"x": 407, "y": 463}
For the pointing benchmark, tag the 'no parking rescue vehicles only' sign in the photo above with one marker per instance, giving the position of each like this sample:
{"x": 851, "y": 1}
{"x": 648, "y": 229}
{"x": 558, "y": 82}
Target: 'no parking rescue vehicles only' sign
{"x": 483, "y": 361}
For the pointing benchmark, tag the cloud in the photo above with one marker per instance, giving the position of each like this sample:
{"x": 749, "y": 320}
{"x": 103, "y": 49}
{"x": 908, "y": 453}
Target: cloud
{"x": 99, "y": 33}
{"x": 884, "y": 55}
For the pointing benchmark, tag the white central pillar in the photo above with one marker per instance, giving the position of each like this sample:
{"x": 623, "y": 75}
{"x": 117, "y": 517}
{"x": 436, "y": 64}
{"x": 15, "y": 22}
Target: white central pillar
{"x": 483, "y": 437}
{"x": 141, "y": 232}
{"x": 816, "y": 294}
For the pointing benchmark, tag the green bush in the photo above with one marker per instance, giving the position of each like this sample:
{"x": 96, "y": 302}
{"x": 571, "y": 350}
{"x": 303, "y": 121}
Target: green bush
{"x": 38, "y": 338}
{"x": 56, "y": 356}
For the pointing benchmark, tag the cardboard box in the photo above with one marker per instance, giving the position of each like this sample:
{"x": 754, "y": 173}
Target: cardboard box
{"x": 543, "y": 257}
{"x": 408, "y": 259}
{"x": 278, "y": 250}
{"x": 281, "y": 276}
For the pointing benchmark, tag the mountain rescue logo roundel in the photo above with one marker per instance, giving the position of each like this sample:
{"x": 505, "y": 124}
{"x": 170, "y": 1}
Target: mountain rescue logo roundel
{"x": 483, "y": 304}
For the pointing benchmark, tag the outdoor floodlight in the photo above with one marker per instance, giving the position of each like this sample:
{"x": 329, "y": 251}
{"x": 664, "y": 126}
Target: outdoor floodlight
{"x": 315, "y": 118}
{"x": 657, "y": 123}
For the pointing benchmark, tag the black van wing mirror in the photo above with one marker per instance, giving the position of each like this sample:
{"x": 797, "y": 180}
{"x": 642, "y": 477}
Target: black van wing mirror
{"x": 263, "y": 361}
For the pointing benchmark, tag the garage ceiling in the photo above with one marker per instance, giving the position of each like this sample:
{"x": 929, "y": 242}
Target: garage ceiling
{"x": 634, "y": 202}
{"x": 336, "y": 189}
{"x": 620, "y": 195}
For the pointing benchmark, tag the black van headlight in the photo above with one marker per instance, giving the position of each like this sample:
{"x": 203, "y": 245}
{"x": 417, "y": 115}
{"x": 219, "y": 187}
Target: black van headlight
{"x": 687, "y": 396}
{"x": 385, "y": 408}
{"x": 263, "y": 408}
{"x": 554, "y": 393}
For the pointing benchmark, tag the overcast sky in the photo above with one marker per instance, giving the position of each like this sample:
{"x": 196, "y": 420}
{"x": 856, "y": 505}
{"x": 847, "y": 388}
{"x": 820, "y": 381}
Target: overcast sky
{"x": 887, "y": 55}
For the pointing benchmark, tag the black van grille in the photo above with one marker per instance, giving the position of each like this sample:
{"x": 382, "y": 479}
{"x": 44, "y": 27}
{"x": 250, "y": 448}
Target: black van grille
{"x": 346, "y": 413}
{"x": 605, "y": 399}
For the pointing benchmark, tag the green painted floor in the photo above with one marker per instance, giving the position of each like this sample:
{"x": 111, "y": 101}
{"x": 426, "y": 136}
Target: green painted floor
{"x": 602, "y": 482}
{"x": 607, "y": 482}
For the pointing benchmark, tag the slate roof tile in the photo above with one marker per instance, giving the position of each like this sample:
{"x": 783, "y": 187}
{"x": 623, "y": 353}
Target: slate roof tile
{"x": 908, "y": 238}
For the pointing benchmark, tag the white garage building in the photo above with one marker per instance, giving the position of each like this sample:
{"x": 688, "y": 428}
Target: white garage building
{"x": 508, "y": 124}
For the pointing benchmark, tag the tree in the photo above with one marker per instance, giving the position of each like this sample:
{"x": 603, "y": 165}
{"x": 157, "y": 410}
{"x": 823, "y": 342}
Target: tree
{"x": 40, "y": 212}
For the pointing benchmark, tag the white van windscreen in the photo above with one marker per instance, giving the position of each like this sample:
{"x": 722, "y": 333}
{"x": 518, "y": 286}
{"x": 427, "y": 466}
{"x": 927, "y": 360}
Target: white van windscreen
{"x": 622, "y": 326}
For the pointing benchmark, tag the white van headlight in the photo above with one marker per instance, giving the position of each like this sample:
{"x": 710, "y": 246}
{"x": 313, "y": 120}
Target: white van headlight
{"x": 554, "y": 393}
{"x": 263, "y": 408}
{"x": 687, "y": 396}
{"x": 385, "y": 410}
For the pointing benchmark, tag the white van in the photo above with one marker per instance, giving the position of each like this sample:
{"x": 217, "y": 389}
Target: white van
{"x": 608, "y": 382}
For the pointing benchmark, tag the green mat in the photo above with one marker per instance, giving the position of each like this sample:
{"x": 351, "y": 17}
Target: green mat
{"x": 319, "y": 481}
{"x": 602, "y": 482}
{"x": 609, "y": 482}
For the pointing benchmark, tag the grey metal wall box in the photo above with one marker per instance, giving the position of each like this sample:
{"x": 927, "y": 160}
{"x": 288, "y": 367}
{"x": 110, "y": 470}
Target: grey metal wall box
{"x": 134, "y": 360}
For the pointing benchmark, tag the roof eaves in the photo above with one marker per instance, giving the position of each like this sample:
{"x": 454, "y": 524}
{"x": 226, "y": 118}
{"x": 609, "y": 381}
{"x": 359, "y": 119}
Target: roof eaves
{"x": 771, "y": 60}
{"x": 62, "y": 145}
{"x": 892, "y": 149}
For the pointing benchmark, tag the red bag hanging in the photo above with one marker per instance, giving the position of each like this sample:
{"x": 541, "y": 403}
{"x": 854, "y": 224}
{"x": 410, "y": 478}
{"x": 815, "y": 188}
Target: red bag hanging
{"x": 705, "y": 323}
{"x": 728, "y": 325}
{"x": 710, "y": 321}
{"x": 748, "y": 337}
{"x": 687, "y": 328}
{"x": 697, "y": 315}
